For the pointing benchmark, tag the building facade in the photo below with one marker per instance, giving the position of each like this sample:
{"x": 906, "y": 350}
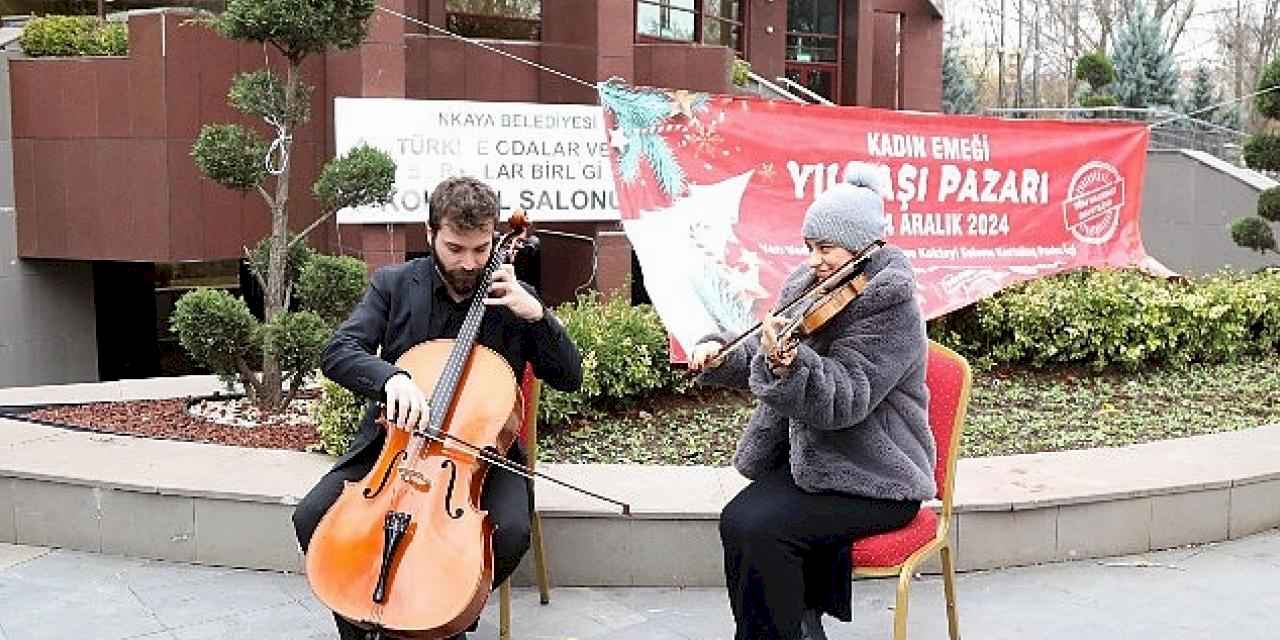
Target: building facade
{"x": 103, "y": 177}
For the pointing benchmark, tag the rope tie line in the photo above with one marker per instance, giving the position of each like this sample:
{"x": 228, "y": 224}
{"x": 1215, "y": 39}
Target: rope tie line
{"x": 486, "y": 47}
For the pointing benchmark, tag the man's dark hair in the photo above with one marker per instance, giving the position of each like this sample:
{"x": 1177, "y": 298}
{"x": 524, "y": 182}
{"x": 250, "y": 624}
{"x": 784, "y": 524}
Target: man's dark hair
{"x": 465, "y": 203}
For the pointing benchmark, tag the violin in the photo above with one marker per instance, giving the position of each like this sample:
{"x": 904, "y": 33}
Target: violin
{"x": 407, "y": 551}
{"x": 814, "y": 307}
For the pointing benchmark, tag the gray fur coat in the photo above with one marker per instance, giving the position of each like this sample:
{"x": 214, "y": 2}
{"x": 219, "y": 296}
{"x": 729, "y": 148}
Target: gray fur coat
{"x": 854, "y": 407}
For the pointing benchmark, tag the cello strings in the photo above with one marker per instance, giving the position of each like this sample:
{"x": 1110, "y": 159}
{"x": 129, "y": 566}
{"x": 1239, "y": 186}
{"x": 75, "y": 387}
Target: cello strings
{"x": 481, "y": 453}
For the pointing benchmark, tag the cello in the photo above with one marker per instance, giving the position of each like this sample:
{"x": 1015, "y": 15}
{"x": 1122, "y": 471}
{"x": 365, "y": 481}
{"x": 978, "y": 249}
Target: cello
{"x": 407, "y": 551}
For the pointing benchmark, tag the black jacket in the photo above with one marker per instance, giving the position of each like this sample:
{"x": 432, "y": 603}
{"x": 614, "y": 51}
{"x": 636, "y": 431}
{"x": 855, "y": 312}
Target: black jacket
{"x": 393, "y": 316}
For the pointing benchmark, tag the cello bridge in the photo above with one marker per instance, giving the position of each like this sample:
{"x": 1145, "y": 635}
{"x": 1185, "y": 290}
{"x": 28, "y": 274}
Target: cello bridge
{"x": 415, "y": 478}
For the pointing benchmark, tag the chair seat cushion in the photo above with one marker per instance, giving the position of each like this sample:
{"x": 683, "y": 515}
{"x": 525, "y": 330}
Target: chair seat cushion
{"x": 892, "y": 548}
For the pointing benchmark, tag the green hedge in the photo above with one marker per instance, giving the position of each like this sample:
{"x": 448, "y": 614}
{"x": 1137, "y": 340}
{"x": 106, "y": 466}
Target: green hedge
{"x": 336, "y": 417}
{"x": 1121, "y": 319}
{"x": 624, "y": 358}
{"x": 74, "y": 36}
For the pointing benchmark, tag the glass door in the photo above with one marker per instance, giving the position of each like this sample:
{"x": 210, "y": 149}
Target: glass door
{"x": 813, "y": 46}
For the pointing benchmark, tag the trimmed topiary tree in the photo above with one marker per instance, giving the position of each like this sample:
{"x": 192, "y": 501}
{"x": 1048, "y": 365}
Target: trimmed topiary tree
{"x": 239, "y": 158}
{"x": 1097, "y": 73}
{"x": 1262, "y": 152}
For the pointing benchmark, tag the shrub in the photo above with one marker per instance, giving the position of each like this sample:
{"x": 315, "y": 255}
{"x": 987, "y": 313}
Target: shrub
{"x": 219, "y": 331}
{"x": 331, "y": 285}
{"x": 1095, "y": 69}
{"x": 297, "y": 339}
{"x": 1121, "y": 319}
{"x": 336, "y": 416}
{"x": 1268, "y": 104}
{"x": 231, "y": 155}
{"x": 739, "y": 71}
{"x": 216, "y": 328}
{"x": 299, "y": 256}
{"x": 1096, "y": 100}
{"x": 1253, "y": 233}
{"x": 1269, "y": 204}
{"x": 624, "y": 357}
{"x": 1262, "y": 151}
{"x": 74, "y": 36}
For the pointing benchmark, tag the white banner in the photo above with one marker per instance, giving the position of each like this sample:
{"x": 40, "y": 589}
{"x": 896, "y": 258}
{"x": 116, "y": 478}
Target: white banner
{"x": 549, "y": 159}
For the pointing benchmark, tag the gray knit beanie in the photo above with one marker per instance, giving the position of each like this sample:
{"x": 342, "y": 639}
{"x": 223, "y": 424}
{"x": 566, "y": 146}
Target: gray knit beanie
{"x": 850, "y": 214}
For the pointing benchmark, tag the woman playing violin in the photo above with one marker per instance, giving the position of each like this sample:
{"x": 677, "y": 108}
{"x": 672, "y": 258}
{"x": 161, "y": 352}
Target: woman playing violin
{"x": 839, "y": 445}
{"x": 426, "y": 299}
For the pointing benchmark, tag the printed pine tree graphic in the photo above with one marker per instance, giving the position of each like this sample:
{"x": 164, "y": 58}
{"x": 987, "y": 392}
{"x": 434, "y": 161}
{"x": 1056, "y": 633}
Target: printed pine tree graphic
{"x": 639, "y": 117}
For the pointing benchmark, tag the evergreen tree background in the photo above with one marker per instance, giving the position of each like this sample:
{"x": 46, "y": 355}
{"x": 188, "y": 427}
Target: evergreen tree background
{"x": 959, "y": 95}
{"x": 1201, "y": 95}
{"x": 1145, "y": 73}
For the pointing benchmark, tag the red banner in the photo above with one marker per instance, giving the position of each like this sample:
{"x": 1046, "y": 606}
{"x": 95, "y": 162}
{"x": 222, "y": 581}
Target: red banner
{"x": 713, "y": 190}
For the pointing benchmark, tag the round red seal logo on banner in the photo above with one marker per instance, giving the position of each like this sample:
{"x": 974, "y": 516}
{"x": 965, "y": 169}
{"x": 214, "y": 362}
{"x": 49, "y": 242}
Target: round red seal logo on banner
{"x": 1091, "y": 211}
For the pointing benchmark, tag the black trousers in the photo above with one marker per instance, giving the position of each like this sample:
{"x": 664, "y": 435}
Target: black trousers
{"x": 506, "y": 497}
{"x": 786, "y": 550}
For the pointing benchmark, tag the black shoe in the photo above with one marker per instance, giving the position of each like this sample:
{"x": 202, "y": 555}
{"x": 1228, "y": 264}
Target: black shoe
{"x": 811, "y": 625}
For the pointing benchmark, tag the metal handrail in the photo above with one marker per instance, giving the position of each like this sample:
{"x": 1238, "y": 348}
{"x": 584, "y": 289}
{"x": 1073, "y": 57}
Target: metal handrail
{"x": 803, "y": 89}
{"x": 775, "y": 88}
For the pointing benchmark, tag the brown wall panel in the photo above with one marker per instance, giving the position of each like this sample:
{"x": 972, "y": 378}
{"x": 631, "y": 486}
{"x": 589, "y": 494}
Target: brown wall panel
{"x": 80, "y": 100}
{"x": 151, "y": 237}
{"x": 383, "y": 70}
{"x": 709, "y": 69}
{"x": 24, "y": 188}
{"x": 113, "y": 98}
{"x": 342, "y": 73}
{"x": 115, "y": 164}
{"x": 766, "y": 50}
{"x": 86, "y": 222}
{"x": 484, "y": 74}
{"x": 576, "y": 61}
{"x": 255, "y": 218}
{"x": 146, "y": 81}
{"x": 313, "y": 73}
{"x": 615, "y": 28}
{"x": 215, "y": 73}
{"x": 51, "y": 185}
{"x": 520, "y": 81}
{"x": 417, "y": 69}
{"x": 575, "y": 22}
{"x": 884, "y": 62}
{"x": 185, "y": 212}
{"x": 385, "y": 28}
{"x": 182, "y": 66}
{"x": 221, "y": 219}
{"x": 670, "y": 65}
{"x": 922, "y": 77}
{"x": 444, "y": 60}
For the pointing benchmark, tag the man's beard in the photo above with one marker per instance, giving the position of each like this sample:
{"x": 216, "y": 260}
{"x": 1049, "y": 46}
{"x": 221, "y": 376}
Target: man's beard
{"x": 462, "y": 282}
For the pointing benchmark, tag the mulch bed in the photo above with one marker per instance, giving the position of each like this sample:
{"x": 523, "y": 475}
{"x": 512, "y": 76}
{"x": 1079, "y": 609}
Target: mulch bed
{"x": 169, "y": 420}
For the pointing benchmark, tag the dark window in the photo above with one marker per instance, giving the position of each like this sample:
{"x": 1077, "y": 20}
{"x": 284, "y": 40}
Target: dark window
{"x": 709, "y": 22}
{"x": 813, "y": 30}
{"x": 666, "y": 19}
{"x": 496, "y": 19}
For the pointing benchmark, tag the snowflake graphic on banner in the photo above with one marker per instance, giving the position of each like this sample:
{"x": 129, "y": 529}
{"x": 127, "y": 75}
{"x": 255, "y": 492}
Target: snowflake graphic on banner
{"x": 642, "y": 116}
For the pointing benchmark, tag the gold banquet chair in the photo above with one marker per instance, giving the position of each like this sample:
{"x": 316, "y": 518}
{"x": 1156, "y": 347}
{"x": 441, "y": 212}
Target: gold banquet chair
{"x": 900, "y": 553}
{"x": 531, "y": 388}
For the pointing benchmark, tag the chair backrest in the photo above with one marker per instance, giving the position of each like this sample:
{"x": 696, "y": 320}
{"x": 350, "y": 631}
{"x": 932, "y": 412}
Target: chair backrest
{"x": 949, "y": 379}
{"x": 530, "y": 390}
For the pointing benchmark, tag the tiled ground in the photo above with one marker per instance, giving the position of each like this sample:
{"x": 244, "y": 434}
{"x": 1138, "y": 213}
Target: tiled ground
{"x": 1225, "y": 590}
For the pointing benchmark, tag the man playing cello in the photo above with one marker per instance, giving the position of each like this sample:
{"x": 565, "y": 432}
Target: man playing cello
{"x": 427, "y": 299}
